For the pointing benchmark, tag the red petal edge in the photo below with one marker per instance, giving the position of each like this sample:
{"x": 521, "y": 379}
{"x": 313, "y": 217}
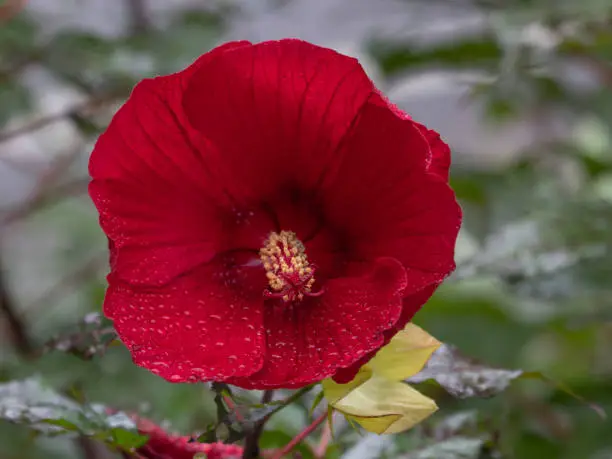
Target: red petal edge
{"x": 195, "y": 329}
{"x": 308, "y": 342}
{"x": 163, "y": 445}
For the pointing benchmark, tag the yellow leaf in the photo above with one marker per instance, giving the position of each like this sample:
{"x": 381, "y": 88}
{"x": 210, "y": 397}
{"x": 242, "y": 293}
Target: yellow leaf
{"x": 405, "y": 355}
{"x": 334, "y": 391}
{"x": 384, "y": 407}
{"x": 375, "y": 398}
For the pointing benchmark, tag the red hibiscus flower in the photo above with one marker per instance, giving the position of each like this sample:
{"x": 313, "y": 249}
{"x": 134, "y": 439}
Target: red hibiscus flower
{"x": 162, "y": 445}
{"x": 272, "y": 219}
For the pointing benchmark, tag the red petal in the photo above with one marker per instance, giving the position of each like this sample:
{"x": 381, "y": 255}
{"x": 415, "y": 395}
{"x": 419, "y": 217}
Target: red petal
{"x": 278, "y": 111}
{"x": 154, "y": 184}
{"x": 200, "y": 327}
{"x": 410, "y": 306}
{"x": 386, "y": 201}
{"x": 162, "y": 445}
{"x": 149, "y": 142}
{"x": 440, "y": 153}
{"x": 308, "y": 341}
{"x": 154, "y": 238}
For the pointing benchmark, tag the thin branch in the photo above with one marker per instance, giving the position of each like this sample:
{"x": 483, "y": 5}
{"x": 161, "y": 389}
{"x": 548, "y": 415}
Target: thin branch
{"x": 289, "y": 400}
{"x": 7, "y": 72}
{"x": 232, "y": 407}
{"x": 23, "y": 168}
{"x": 139, "y": 16}
{"x": 326, "y": 437}
{"x": 17, "y": 327}
{"x": 300, "y": 437}
{"x": 42, "y": 200}
{"x": 80, "y": 274}
{"x": 251, "y": 444}
{"x": 94, "y": 103}
{"x": 25, "y": 346}
{"x": 89, "y": 448}
{"x": 56, "y": 169}
{"x": 43, "y": 193}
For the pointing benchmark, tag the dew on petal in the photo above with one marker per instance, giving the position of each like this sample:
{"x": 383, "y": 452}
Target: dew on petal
{"x": 169, "y": 206}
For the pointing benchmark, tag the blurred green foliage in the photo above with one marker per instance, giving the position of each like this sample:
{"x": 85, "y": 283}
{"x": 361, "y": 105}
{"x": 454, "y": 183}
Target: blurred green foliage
{"x": 532, "y": 290}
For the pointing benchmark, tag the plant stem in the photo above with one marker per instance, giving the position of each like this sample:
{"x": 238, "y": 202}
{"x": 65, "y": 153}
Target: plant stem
{"x": 292, "y": 398}
{"x": 300, "y": 437}
{"x": 326, "y": 436}
{"x": 251, "y": 445}
{"x": 232, "y": 407}
{"x": 139, "y": 16}
{"x": 17, "y": 327}
{"x": 95, "y": 103}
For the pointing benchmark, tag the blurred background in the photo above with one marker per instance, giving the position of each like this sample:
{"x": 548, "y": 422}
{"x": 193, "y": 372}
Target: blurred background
{"x": 520, "y": 89}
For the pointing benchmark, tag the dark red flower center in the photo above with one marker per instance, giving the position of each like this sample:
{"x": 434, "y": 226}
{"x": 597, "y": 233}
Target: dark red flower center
{"x": 290, "y": 274}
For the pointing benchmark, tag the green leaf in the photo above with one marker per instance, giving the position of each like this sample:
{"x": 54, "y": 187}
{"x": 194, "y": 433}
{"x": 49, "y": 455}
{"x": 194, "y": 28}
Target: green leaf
{"x": 63, "y": 423}
{"x": 316, "y": 402}
{"x": 29, "y": 403}
{"x": 87, "y": 61}
{"x": 271, "y": 408}
{"x": 330, "y": 420}
{"x": 274, "y": 439}
{"x": 14, "y": 100}
{"x": 126, "y": 439}
{"x": 92, "y": 337}
{"x": 17, "y": 38}
{"x": 226, "y": 429}
{"x": 395, "y": 58}
{"x": 463, "y": 377}
{"x": 184, "y": 40}
{"x": 565, "y": 389}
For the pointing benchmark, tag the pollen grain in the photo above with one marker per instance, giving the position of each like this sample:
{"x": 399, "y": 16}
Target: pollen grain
{"x": 290, "y": 275}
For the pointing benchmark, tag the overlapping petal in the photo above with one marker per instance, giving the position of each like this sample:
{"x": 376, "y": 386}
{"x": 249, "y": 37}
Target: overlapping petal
{"x": 309, "y": 341}
{"x": 198, "y": 168}
{"x": 388, "y": 204}
{"x": 278, "y": 111}
{"x": 410, "y": 305}
{"x": 197, "y": 328}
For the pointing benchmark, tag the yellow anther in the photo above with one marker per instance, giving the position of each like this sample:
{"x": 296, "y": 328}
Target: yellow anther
{"x": 287, "y": 267}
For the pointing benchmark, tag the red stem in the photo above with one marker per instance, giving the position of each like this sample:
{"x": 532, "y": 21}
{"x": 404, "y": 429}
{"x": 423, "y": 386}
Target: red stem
{"x": 232, "y": 406}
{"x": 326, "y": 436}
{"x": 299, "y": 437}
